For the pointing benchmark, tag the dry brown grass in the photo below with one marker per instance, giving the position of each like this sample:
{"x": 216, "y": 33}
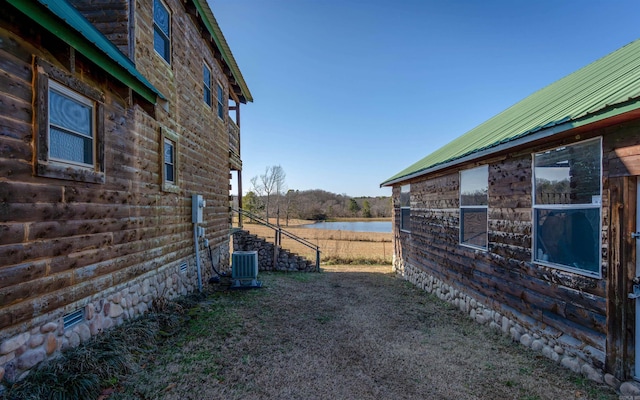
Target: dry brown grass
{"x": 342, "y": 246}
{"x": 351, "y": 332}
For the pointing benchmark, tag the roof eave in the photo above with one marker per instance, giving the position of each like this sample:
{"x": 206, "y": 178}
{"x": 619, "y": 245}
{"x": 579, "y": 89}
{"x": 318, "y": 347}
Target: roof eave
{"x": 524, "y": 139}
{"x": 51, "y": 22}
{"x": 218, "y": 37}
{"x": 483, "y": 153}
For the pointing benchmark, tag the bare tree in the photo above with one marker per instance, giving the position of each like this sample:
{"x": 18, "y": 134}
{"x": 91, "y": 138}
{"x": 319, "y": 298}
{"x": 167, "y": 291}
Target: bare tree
{"x": 269, "y": 184}
{"x": 280, "y": 187}
{"x": 289, "y": 198}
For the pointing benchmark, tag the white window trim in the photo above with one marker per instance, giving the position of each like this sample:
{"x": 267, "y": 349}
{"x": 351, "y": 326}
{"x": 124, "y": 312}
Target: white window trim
{"x": 220, "y": 103}
{"x": 170, "y": 186}
{"x": 167, "y": 36}
{"x": 408, "y": 191}
{"x": 45, "y": 75}
{"x": 55, "y": 86}
{"x": 207, "y": 86}
{"x": 172, "y": 163}
{"x": 535, "y": 207}
{"x": 485, "y": 248}
{"x": 485, "y": 207}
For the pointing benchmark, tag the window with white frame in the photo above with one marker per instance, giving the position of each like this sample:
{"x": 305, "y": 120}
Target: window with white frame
{"x": 69, "y": 126}
{"x": 162, "y": 30}
{"x": 405, "y": 208}
{"x": 170, "y": 161}
{"x": 567, "y": 207}
{"x": 206, "y": 76}
{"x": 220, "y": 101}
{"x": 474, "y": 203}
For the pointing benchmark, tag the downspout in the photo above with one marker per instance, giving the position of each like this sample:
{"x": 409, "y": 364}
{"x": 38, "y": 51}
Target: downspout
{"x": 197, "y": 245}
{"x": 240, "y": 198}
{"x": 237, "y": 108}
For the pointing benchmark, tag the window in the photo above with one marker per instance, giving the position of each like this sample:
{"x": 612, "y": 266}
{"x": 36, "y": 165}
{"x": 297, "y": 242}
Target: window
{"x": 206, "y": 73}
{"x": 169, "y": 161}
{"x": 69, "y": 126}
{"x": 161, "y": 30}
{"x": 220, "y": 102}
{"x": 567, "y": 207}
{"x": 405, "y": 208}
{"x": 474, "y": 200}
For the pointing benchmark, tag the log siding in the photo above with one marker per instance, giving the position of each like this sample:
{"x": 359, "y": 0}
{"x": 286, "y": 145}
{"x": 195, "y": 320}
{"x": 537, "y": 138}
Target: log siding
{"x": 68, "y": 243}
{"x": 590, "y": 317}
{"x": 503, "y": 277}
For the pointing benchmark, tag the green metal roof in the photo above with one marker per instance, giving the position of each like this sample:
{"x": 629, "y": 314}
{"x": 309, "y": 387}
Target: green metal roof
{"x": 64, "y": 21}
{"x": 605, "y": 88}
{"x": 221, "y": 42}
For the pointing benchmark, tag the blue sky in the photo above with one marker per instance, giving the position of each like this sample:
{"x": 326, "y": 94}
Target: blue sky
{"x": 349, "y": 92}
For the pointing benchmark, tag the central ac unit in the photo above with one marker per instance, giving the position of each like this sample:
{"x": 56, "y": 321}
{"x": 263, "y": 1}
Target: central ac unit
{"x": 244, "y": 269}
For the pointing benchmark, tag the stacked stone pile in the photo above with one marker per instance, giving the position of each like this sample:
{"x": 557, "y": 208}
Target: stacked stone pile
{"x": 287, "y": 261}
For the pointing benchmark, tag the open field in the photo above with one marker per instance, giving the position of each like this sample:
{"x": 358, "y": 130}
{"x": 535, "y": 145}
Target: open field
{"x": 335, "y": 246}
{"x": 349, "y": 332}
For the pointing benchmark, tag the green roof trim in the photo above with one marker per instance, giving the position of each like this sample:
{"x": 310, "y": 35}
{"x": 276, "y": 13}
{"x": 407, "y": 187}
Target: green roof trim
{"x": 603, "y": 89}
{"x": 215, "y": 31}
{"x": 65, "y": 22}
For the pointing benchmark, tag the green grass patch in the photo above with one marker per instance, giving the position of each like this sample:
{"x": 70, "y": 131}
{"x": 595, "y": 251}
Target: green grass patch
{"x": 323, "y": 319}
{"x": 212, "y": 317}
{"x": 297, "y": 276}
{"x": 355, "y": 261}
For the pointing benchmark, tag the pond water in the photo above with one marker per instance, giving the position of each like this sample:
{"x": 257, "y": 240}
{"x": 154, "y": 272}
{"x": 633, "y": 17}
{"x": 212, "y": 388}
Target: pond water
{"x": 354, "y": 226}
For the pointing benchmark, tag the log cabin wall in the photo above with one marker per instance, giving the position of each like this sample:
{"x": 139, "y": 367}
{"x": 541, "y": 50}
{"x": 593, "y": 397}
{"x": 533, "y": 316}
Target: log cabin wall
{"x": 105, "y": 249}
{"x": 111, "y": 17}
{"x": 398, "y": 249}
{"x": 560, "y": 313}
{"x": 621, "y": 156}
{"x": 203, "y": 140}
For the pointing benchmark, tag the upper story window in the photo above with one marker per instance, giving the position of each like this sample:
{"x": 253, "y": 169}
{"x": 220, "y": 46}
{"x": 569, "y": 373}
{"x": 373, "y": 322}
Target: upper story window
{"x": 405, "y": 208}
{"x": 69, "y": 126}
{"x": 162, "y": 30}
{"x": 220, "y": 101}
{"x": 568, "y": 207}
{"x": 474, "y": 201}
{"x": 206, "y": 76}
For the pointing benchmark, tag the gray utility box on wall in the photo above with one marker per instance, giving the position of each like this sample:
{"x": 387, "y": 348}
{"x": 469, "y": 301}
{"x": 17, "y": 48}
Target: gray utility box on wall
{"x": 244, "y": 269}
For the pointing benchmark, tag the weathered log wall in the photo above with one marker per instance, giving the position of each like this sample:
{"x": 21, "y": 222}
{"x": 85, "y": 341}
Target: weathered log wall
{"x": 65, "y": 244}
{"x": 111, "y": 17}
{"x": 592, "y": 313}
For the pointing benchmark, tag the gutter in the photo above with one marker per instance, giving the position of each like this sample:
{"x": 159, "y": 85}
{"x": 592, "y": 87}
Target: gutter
{"x": 218, "y": 38}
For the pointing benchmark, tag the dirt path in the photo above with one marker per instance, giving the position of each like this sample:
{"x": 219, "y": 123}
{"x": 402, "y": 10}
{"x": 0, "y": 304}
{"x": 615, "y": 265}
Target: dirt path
{"x": 348, "y": 333}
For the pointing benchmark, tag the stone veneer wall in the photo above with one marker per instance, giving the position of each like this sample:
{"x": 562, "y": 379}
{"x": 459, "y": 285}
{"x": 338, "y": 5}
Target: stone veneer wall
{"x": 21, "y": 352}
{"x": 287, "y": 261}
{"x": 569, "y": 352}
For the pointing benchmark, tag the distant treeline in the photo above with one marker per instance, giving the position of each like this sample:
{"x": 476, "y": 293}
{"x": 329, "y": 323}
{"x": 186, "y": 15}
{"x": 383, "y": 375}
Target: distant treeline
{"x": 316, "y": 205}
